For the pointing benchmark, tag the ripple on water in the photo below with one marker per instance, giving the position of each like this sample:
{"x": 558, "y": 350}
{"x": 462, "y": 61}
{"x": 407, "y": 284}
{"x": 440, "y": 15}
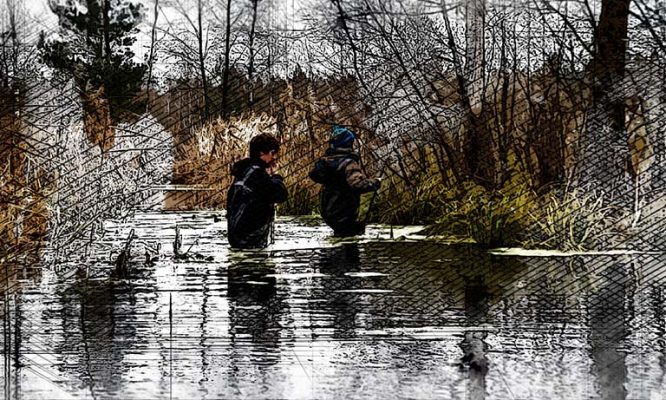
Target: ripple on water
{"x": 312, "y": 317}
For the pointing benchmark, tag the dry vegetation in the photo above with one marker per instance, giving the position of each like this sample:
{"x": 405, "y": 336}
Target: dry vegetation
{"x": 535, "y": 125}
{"x": 539, "y": 132}
{"x": 59, "y": 186}
{"x": 501, "y": 166}
{"x": 23, "y": 209}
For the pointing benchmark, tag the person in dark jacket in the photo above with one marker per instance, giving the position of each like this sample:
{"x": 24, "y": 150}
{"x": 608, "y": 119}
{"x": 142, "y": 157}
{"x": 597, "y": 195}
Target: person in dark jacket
{"x": 343, "y": 180}
{"x": 252, "y": 196}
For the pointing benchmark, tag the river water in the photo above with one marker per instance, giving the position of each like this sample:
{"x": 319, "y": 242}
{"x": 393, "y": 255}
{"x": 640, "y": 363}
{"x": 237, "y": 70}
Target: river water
{"x": 313, "y": 318}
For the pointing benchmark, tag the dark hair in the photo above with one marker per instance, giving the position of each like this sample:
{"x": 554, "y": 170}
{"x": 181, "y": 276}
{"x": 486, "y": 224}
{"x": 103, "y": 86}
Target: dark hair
{"x": 263, "y": 143}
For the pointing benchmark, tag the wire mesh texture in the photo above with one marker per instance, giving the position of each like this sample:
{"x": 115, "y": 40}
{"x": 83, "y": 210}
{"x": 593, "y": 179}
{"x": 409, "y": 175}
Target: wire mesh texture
{"x": 522, "y": 153}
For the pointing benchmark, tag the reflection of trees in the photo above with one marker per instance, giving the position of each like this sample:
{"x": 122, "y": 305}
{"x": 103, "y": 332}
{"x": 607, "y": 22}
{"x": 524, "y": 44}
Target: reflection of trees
{"x": 98, "y": 323}
{"x": 12, "y": 337}
{"x": 608, "y": 330}
{"x": 658, "y": 307}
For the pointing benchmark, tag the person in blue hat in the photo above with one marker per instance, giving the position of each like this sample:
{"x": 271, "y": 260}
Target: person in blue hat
{"x": 343, "y": 181}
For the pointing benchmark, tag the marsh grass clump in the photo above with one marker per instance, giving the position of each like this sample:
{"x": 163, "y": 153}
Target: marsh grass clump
{"x": 416, "y": 202}
{"x": 23, "y": 219}
{"x": 23, "y": 190}
{"x": 303, "y": 200}
{"x": 572, "y": 221}
{"x": 496, "y": 218}
{"x": 490, "y": 218}
{"x": 467, "y": 209}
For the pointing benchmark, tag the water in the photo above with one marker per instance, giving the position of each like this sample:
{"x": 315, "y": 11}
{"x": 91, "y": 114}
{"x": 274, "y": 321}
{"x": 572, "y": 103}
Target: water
{"x": 313, "y": 318}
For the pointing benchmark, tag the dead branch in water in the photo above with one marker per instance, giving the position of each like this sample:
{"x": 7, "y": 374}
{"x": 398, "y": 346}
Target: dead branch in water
{"x": 124, "y": 256}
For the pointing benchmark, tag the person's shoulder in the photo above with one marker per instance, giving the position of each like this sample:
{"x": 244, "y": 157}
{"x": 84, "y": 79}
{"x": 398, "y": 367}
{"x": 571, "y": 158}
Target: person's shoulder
{"x": 341, "y": 153}
{"x": 240, "y": 167}
{"x": 351, "y": 158}
{"x": 349, "y": 153}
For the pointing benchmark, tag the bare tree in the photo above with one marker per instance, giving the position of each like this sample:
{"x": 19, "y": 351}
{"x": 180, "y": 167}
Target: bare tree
{"x": 193, "y": 55}
{"x": 475, "y": 12}
{"x": 202, "y": 65}
{"x": 251, "y": 49}
{"x": 227, "y": 59}
{"x": 10, "y": 44}
{"x": 153, "y": 39}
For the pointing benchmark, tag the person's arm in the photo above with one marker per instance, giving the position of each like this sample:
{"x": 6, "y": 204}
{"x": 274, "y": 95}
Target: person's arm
{"x": 280, "y": 193}
{"x": 357, "y": 180}
{"x": 317, "y": 174}
{"x": 270, "y": 189}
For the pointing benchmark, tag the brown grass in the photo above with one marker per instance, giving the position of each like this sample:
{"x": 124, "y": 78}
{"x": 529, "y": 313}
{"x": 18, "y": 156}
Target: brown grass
{"x": 97, "y": 119}
{"x": 23, "y": 209}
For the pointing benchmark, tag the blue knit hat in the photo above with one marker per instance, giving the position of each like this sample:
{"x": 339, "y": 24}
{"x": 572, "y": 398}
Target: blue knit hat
{"x": 341, "y": 136}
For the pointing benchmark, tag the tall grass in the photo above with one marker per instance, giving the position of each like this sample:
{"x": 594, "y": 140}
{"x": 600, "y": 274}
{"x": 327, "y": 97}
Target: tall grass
{"x": 23, "y": 209}
{"x": 419, "y": 202}
{"x": 572, "y": 221}
{"x": 465, "y": 210}
{"x": 207, "y": 158}
{"x": 303, "y": 200}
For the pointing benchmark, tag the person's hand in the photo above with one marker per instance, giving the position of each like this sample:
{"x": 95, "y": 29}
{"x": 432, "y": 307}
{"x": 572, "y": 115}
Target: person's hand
{"x": 377, "y": 184}
{"x": 272, "y": 169}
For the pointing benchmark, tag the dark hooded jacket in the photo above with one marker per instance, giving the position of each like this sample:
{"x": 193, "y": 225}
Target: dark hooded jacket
{"x": 343, "y": 180}
{"x": 250, "y": 203}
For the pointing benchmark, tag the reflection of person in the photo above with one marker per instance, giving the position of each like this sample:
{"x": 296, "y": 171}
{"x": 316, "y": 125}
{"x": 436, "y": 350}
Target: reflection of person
{"x": 343, "y": 180}
{"x": 252, "y": 196}
{"x": 254, "y": 304}
{"x": 256, "y": 307}
{"x": 344, "y": 307}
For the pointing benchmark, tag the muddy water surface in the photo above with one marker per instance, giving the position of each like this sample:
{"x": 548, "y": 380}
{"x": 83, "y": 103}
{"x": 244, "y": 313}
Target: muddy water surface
{"x": 312, "y": 318}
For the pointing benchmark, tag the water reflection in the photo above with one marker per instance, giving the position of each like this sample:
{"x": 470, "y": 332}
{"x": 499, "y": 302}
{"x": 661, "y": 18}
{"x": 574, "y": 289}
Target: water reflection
{"x": 255, "y": 311}
{"x": 358, "y": 320}
{"x": 608, "y": 309}
{"x": 341, "y": 302}
{"x": 98, "y": 325}
{"x": 12, "y": 341}
{"x": 473, "y": 345}
{"x": 16, "y": 278}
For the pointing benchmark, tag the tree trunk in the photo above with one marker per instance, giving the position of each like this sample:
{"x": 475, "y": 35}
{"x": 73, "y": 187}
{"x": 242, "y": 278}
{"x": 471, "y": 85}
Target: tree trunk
{"x": 250, "y": 67}
{"x": 107, "y": 39}
{"x": 604, "y": 145}
{"x": 202, "y": 66}
{"x": 474, "y": 53}
{"x": 481, "y": 152}
{"x": 225, "y": 76}
{"x": 153, "y": 35}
